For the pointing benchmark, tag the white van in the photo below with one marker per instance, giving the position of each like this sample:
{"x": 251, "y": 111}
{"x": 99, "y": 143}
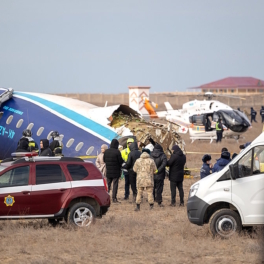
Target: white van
{"x": 232, "y": 197}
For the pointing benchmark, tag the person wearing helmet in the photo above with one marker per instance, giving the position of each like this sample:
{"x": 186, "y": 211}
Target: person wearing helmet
{"x": 207, "y": 166}
{"x": 124, "y": 154}
{"x": 56, "y": 145}
{"x": 32, "y": 145}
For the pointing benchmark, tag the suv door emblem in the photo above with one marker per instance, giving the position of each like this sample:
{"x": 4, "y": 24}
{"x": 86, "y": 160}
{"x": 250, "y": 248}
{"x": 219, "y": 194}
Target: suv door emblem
{"x": 9, "y": 200}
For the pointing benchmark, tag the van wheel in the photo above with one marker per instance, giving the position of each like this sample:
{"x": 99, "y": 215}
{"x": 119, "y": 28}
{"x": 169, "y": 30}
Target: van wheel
{"x": 225, "y": 223}
{"x": 81, "y": 214}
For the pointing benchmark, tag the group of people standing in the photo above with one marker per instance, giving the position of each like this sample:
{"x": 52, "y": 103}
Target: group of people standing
{"x": 142, "y": 170}
{"x": 27, "y": 144}
{"x": 209, "y": 168}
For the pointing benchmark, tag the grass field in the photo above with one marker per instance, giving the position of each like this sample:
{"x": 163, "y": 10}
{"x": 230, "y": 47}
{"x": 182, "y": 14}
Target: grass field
{"x": 163, "y": 235}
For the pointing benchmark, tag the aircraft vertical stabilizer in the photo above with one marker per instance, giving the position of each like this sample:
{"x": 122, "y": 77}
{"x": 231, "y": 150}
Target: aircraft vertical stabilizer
{"x": 168, "y": 106}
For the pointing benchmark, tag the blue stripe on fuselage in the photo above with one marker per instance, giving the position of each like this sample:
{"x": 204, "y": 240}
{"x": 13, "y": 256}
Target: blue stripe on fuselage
{"x": 86, "y": 122}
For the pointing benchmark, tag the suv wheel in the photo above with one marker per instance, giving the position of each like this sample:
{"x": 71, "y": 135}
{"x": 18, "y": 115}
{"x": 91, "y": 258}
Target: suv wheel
{"x": 81, "y": 214}
{"x": 225, "y": 223}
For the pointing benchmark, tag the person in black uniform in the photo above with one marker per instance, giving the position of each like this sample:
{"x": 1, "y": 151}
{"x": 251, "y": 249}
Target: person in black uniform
{"x": 132, "y": 157}
{"x": 56, "y": 144}
{"x": 113, "y": 161}
{"x": 253, "y": 114}
{"x": 32, "y": 145}
{"x": 160, "y": 160}
{"x": 262, "y": 114}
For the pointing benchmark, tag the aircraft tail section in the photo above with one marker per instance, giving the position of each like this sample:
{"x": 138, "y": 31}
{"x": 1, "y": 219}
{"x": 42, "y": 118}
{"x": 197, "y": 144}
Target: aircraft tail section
{"x": 168, "y": 106}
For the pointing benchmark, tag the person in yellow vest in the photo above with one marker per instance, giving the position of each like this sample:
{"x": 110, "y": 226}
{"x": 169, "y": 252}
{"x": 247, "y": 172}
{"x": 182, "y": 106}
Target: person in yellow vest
{"x": 219, "y": 130}
{"x": 124, "y": 154}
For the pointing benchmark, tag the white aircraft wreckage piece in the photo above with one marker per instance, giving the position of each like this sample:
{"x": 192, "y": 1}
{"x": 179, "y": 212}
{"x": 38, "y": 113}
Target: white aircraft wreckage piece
{"x": 147, "y": 132}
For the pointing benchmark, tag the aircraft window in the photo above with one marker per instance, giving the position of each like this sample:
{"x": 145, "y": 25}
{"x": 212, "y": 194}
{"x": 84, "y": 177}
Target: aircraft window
{"x": 49, "y": 135}
{"x": 79, "y": 146}
{"x": 9, "y": 120}
{"x": 197, "y": 119}
{"x": 70, "y": 142}
{"x": 40, "y": 130}
{"x": 30, "y": 126}
{"x": 89, "y": 150}
{"x": 19, "y": 123}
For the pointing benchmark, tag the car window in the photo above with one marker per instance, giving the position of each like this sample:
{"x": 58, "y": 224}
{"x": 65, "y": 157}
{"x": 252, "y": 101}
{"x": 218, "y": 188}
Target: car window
{"x": 258, "y": 163}
{"x": 252, "y": 162}
{"x": 77, "y": 172}
{"x": 15, "y": 177}
{"x": 49, "y": 173}
{"x": 244, "y": 165}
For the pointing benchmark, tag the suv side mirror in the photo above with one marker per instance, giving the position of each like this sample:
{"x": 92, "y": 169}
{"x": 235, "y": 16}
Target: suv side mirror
{"x": 234, "y": 171}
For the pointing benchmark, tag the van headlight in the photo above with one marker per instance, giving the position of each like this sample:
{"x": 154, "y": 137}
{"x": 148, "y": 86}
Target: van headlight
{"x": 194, "y": 190}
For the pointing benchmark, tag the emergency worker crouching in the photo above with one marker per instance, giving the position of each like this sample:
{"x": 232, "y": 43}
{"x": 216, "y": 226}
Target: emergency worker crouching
{"x": 145, "y": 167}
{"x": 32, "y": 145}
{"x": 56, "y": 145}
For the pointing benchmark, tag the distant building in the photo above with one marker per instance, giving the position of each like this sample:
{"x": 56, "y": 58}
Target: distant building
{"x": 233, "y": 85}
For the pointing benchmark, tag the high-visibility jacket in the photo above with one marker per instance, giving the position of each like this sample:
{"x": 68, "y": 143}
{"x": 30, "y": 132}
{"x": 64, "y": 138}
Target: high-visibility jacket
{"x": 125, "y": 152}
{"x": 217, "y": 127}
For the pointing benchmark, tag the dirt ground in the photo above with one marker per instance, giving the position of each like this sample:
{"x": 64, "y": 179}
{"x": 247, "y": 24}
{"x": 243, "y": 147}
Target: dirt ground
{"x": 162, "y": 235}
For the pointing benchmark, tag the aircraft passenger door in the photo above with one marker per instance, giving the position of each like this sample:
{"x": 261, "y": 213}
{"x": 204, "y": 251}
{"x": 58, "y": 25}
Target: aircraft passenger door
{"x": 248, "y": 188}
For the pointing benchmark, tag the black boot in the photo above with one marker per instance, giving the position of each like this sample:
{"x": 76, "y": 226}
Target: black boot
{"x": 137, "y": 208}
{"x": 151, "y": 206}
{"x": 115, "y": 201}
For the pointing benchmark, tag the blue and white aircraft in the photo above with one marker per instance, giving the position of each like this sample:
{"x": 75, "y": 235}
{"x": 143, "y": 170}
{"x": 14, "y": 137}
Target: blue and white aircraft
{"x": 84, "y": 127}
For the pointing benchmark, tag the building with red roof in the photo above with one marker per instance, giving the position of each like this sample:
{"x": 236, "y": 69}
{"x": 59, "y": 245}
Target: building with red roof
{"x": 233, "y": 85}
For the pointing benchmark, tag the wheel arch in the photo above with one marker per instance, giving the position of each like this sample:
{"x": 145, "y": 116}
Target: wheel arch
{"x": 84, "y": 199}
{"x": 217, "y": 206}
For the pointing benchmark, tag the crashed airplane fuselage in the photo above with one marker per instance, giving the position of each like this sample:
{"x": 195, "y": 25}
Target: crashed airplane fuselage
{"x": 83, "y": 127}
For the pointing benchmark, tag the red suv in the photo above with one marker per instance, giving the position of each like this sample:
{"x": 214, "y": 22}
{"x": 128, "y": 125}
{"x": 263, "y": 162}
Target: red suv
{"x": 52, "y": 187}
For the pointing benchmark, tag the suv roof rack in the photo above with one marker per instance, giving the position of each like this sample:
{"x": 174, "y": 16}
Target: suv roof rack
{"x": 46, "y": 158}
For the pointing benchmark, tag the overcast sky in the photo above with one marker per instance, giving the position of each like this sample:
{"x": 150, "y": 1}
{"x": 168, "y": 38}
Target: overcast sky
{"x": 107, "y": 45}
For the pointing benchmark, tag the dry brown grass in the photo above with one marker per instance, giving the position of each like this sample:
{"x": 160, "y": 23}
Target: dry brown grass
{"x": 163, "y": 235}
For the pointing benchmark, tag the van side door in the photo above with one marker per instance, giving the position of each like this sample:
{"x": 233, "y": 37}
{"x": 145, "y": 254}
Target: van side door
{"x": 248, "y": 188}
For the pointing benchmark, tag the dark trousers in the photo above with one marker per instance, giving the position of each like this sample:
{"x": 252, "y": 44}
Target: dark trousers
{"x": 173, "y": 186}
{"x": 157, "y": 190}
{"x": 133, "y": 183}
{"x": 115, "y": 186}
{"x": 253, "y": 118}
{"x": 219, "y": 135}
{"x": 262, "y": 118}
{"x": 127, "y": 183}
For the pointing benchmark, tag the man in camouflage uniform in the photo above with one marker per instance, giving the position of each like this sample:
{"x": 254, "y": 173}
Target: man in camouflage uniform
{"x": 145, "y": 168}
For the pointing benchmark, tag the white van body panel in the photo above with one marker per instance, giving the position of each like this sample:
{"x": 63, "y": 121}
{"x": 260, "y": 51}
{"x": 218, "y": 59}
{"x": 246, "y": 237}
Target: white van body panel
{"x": 246, "y": 194}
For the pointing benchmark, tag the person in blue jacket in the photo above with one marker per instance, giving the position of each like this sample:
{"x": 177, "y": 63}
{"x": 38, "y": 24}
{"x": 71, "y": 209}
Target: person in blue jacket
{"x": 207, "y": 166}
{"x": 222, "y": 162}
